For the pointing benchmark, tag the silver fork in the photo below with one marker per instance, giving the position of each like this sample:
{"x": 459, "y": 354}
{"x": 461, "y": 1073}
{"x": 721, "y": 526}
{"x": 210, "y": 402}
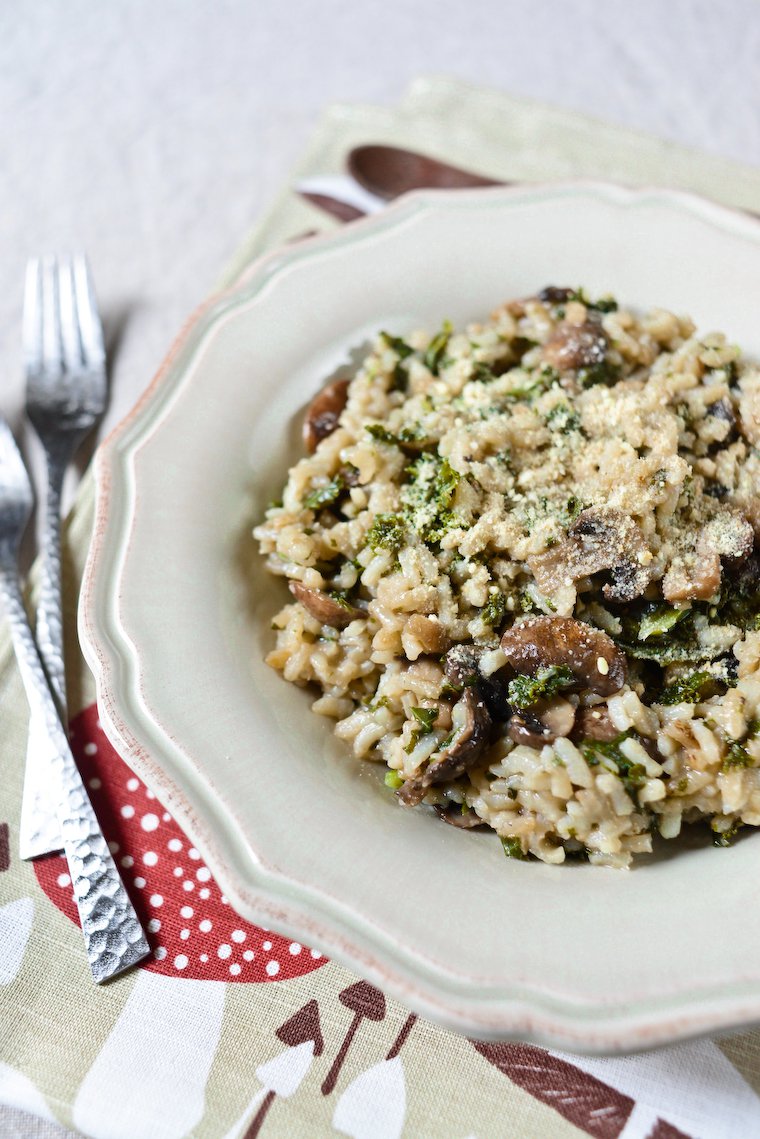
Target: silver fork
{"x": 113, "y": 936}
{"x": 65, "y": 397}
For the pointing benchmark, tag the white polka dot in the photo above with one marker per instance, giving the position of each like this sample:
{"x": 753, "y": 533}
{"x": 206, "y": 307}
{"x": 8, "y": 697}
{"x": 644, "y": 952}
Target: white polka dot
{"x": 149, "y": 822}
{"x": 180, "y": 962}
{"x": 234, "y": 969}
{"x": 132, "y": 784}
{"x": 203, "y": 874}
{"x": 273, "y": 968}
{"x": 193, "y": 854}
{"x": 156, "y": 900}
{"x": 127, "y": 811}
{"x": 204, "y": 893}
{"x": 160, "y": 953}
{"x": 267, "y": 945}
{"x": 127, "y": 861}
{"x": 295, "y": 948}
{"x": 178, "y": 871}
{"x": 90, "y": 749}
{"x": 224, "y": 951}
{"x": 114, "y": 847}
{"x": 98, "y": 724}
{"x": 139, "y": 882}
{"x": 188, "y": 885}
{"x": 205, "y": 926}
{"x": 186, "y": 911}
{"x": 95, "y": 784}
{"x": 166, "y": 817}
{"x": 149, "y": 795}
{"x": 64, "y": 880}
{"x": 174, "y": 844}
{"x": 203, "y": 957}
{"x": 154, "y": 925}
{"x": 150, "y": 858}
{"x": 224, "y": 900}
{"x": 184, "y": 934}
{"x": 315, "y": 954}
{"x": 238, "y": 935}
{"x": 248, "y": 955}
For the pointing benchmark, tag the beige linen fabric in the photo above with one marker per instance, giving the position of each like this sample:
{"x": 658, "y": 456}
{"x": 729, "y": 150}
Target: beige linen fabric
{"x": 164, "y": 1057}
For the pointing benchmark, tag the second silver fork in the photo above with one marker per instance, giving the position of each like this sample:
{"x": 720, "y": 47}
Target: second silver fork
{"x": 66, "y": 393}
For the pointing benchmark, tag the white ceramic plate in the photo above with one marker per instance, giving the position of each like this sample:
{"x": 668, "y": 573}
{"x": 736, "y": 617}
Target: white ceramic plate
{"x": 175, "y": 622}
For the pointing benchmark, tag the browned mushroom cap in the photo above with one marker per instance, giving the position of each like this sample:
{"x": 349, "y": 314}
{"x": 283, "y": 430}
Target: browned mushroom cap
{"x": 462, "y": 668}
{"x": 471, "y": 736}
{"x": 323, "y": 413}
{"x": 696, "y": 575}
{"x": 575, "y": 346}
{"x": 601, "y": 538}
{"x": 326, "y": 609}
{"x": 429, "y": 631}
{"x": 594, "y": 724}
{"x": 542, "y": 642}
{"x": 465, "y": 820}
{"x": 555, "y": 295}
{"x": 543, "y": 724}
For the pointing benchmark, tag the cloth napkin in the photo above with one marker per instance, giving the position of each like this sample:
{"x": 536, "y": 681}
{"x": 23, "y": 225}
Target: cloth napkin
{"x": 231, "y": 1031}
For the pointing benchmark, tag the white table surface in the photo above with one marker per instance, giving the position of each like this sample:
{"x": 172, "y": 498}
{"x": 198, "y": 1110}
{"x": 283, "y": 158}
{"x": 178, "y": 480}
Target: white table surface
{"x": 152, "y": 133}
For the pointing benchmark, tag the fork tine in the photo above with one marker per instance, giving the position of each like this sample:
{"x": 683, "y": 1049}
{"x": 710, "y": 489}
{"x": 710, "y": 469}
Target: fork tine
{"x": 71, "y": 345}
{"x": 90, "y": 328}
{"x": 32, "y": 326}
{"x": 51, "y": 317}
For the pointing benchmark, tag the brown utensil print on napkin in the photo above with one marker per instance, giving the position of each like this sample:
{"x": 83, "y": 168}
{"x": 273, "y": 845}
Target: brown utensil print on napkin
{"x": 367, "y": 1003}
{"x": 389, "y": 171}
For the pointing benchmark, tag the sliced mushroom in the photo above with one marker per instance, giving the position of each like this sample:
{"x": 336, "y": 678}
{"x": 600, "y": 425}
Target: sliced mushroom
{"x": 542, "y": 642}
{"x": 462, "y": 819}
{"x": 601, "y": 538}
{"x": 429, "y": 632}
{"x": 461, "y": 668}
{"x": 543, "y": 724}
{"x": 472, "y": 732}
{"x": 323, "y": 413}
{"x": 594, "y": 724}
{"x": 575, "y": 346}
{"x": 696, "y": 575}
{"x": 554, "y": 295}
{"x": 326, "y": 609}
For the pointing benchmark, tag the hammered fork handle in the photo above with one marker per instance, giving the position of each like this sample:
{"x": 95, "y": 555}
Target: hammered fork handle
{"x": 113, "y": 936}
{"x": 39, "y": 831}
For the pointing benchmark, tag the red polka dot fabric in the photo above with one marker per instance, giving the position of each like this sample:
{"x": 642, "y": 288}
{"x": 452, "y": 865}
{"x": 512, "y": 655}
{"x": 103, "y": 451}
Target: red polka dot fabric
{"x": 192, "y": 929}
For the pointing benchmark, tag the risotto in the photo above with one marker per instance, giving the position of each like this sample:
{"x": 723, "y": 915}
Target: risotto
{"x": 522, "y": 573}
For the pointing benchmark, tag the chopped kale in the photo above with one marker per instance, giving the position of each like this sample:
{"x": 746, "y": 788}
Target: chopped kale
{"x": 604, "y": 304}
{"x": 428, "y": 496}
{"x": 595, "y": 752}
{"x": 483, "y": 373}
{"x": 724, "y": 837}
{"x": 686, "y": 690}
{"x": 605, "y": 372}
{"x": 513, "y": 848}
{"x": 399, "y": 346}
{"x": 658, "y": 620}
{"x": 494, "y": 610}
{"x": 381, "y": 434}
{"x": 562, "y": 418}
{"x": 341, "y": 597}
{"x": 737, "y": 756}
{"x": 435, "y": 351}
{"x": 525, "y": 691}
{"x": 386, "y": 533}
{"x": 427, "y": 717}
{"x": 393, "y": 780}
{"x": 325, "y": 495}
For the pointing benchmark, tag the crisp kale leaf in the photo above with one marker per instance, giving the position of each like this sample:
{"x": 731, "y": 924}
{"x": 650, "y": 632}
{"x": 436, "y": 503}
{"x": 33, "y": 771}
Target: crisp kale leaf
{"x": 513, "y": 848}
{"x": 525, "y": 691}
{"x": 655, "y": 622}
{"x": 596, "y": 751}
{"x": 435, "y": 351}
{"x": 428, "y": 496}
{"x": 427, "y": 717}
{"x": 399, "y": 346}
{"x": 325, "y": 495}
{"x": 685, "y": 690}
{"x": 387, "y": 532}
{"x": 494, "y": 610}
{"x": 737, "y": 756}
